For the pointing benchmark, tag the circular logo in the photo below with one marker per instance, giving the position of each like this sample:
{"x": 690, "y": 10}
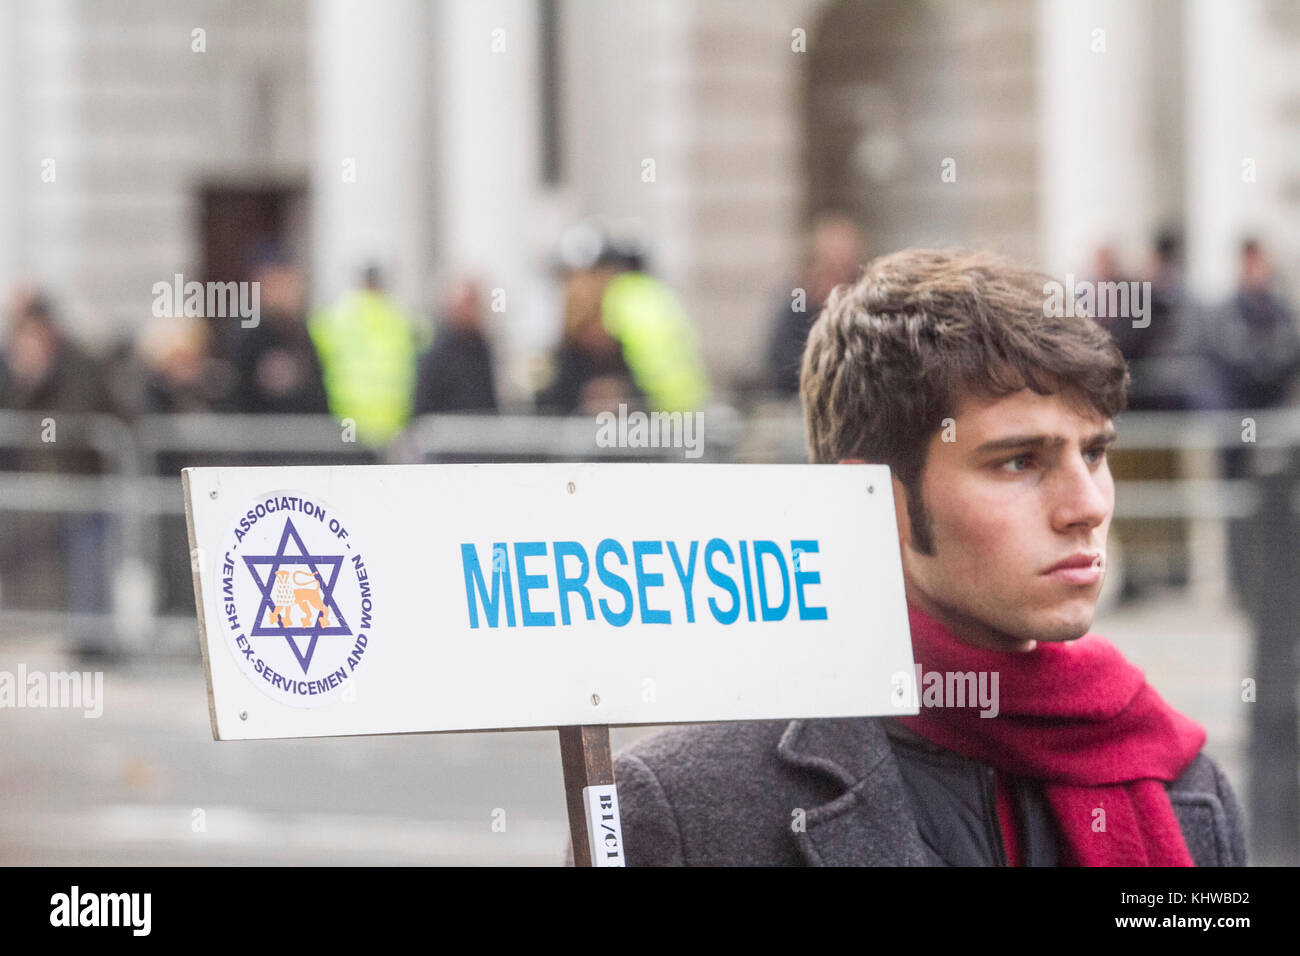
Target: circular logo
{"x": 295, "y": 599}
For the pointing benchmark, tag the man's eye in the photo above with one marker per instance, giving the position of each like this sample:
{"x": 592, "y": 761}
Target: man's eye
{"x": 1097, "y": 454}
{"x": 1010, "y": 463}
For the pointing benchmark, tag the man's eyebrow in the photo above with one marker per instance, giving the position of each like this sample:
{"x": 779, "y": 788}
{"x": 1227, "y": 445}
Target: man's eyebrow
{"x": 1104, "y": 437}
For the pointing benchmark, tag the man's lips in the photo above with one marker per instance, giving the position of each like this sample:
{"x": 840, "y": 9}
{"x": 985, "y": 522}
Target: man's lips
{"x": 1082, "y": 568}
{"x": 1081, "y": 559}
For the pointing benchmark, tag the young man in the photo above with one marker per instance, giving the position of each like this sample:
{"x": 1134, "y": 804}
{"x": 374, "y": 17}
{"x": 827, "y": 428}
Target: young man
{"x": 995, "y": 419}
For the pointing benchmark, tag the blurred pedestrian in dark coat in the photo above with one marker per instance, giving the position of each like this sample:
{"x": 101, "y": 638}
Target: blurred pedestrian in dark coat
{"x": 1256, "y": 343}
{"x": 834, "y": 256}
{"x": 1256, "y": 349}
{"x": 456, "y": 374}
{"x": 44, "y": 372}
{"x": 275, "y": 365}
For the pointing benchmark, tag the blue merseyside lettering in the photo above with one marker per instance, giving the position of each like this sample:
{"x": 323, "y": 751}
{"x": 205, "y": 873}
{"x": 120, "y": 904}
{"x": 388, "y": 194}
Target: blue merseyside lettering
{"x": 539, "y": 599}
{"x": 611, "y": 580}
{"x": 645, "y": 579}
{"x": 806, "y": 577}
{"x": 764, "y": 549}
{"x": 566, "y": 585}
{"x": 685, "y": 577}
{"x": 744, "y": 573}
{"x": 721, "y": 580}
{"x": 528, "y": 582}
{"x": 474, "y": 576}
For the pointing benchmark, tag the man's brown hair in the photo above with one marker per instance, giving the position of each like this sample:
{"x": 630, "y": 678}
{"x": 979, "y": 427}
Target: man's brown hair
{"x": 892, "y": 355}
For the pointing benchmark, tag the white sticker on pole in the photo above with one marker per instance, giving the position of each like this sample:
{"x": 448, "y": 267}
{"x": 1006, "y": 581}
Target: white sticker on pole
{"x": 379, "y": 599}
{"x": 604, "y": 831}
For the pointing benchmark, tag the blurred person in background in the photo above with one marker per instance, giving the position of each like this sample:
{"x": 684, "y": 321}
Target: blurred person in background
{"x": 620, "y": 320}
{"x": 660, "y": 343}
{"x": 1168, "y": 356}
{"x": 181, "y": 372}
{"x": 1256, "y": 343}
{"x": 1106, "y": 268}
{"x": 45, "y": 373}
{"x": 1140, "y": 537}
{"x": 275, "y": 365}
{"x": 124, "y": 379}
{"x": 591, "y": 375}
{"x": 455, "y": 375}
{"x": 1164, "y": 355}
{"x": 1256, "y": 347}
{"x": 368, "y": 347}
{"x": 182, "y": 375}
{"x": 834, "y": 256}
{"x": 43, "y": 369}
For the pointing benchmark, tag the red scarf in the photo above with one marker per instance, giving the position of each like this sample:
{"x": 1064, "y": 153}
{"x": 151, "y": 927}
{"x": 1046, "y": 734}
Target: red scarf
{"x": 1080, "y": 718}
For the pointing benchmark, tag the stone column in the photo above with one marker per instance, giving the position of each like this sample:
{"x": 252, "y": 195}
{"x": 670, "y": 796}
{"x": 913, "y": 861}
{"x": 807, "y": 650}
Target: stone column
{"x": 486, "y": 168}
{"x": 372, "y": 163}
{"x": 10, "y": 156}
{"x": 1097, "y": 175}
{"x": 1228, "y": 171}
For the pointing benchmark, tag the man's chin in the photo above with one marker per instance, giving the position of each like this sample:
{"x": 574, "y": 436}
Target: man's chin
{"x": 1068, "y": 622}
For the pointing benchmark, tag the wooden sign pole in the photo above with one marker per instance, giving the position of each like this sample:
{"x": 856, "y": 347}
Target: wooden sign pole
{"x": 590, "y": 795}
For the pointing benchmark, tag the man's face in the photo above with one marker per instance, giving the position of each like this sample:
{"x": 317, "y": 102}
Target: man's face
{"x": 1024, "y": 486}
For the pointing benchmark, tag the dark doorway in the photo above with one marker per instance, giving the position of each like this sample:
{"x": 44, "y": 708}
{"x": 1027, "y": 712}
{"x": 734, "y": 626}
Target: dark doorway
{"x": 236, "y": 219}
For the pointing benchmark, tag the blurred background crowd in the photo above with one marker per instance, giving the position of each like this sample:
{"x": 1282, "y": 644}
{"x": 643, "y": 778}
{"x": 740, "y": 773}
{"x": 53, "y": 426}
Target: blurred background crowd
{"x": 623, "y": 337}
{"x": 523, "y": 209}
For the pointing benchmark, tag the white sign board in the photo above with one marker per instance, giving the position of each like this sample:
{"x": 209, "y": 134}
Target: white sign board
{"x": 412, "y": 598}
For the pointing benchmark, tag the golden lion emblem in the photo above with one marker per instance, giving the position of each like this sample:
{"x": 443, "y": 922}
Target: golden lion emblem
{"x": 301, "y": 590}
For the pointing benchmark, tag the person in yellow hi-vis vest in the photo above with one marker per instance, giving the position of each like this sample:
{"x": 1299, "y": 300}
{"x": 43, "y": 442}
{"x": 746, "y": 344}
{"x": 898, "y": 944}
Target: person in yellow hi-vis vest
{"x": 368, "y": 348}
{"x": 660, "y": 344}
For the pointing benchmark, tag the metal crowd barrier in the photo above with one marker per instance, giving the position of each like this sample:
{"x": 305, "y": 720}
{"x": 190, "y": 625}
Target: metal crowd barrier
{"x": 140, "y": 482}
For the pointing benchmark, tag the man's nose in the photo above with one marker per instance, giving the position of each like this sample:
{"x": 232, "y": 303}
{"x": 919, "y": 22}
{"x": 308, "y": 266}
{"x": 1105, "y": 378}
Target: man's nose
{"x": 1082, "y": 495}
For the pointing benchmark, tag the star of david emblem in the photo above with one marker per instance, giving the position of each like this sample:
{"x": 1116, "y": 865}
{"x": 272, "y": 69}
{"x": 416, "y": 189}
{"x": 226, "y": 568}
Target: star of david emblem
{"x": 286, "y": 595}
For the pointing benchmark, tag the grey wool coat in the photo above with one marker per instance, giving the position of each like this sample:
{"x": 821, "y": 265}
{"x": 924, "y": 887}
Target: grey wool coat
{"x": 731, "y": 794}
